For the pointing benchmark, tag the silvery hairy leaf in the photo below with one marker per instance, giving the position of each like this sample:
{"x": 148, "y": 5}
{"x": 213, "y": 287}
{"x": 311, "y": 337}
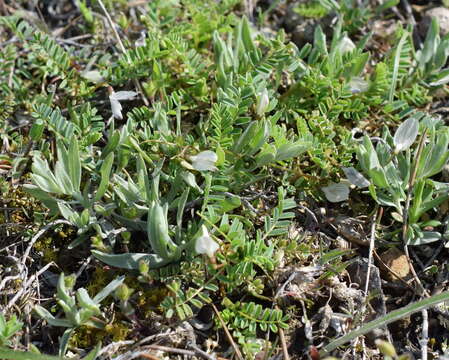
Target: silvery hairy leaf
{"x": 336, "y": 192}
{"x": 406, "y": 134}
{"x": 355, "y": 178}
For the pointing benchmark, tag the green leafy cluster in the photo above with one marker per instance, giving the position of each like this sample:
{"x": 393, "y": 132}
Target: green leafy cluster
{"x": 181, "y": 159}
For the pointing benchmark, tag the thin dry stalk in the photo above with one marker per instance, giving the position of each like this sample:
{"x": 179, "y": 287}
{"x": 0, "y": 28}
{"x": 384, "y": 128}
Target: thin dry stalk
{"x": 425, "y": 334}
{"x": 283, "y": 344}
{"x": 26, "y": 285}
{"x": 122, "y": 49}
{"x": 38, "y": 235}
{"x": 228, "y": 334}
{"x": 371, "y": 249}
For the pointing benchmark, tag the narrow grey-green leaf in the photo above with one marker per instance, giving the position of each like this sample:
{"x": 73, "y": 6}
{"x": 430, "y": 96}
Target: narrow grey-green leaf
{"x": 74, "y": 164}
{"x": 9, "y": 354}
{"x": 105, "y": 172}
{"x": 385, "y": 320}
{"x": 129, "y": 260}
{"x": 108, "y": 289}
{"x": 93, "y": 354}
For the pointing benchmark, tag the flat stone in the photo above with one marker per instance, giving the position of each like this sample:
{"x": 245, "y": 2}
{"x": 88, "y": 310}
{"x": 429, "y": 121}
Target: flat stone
{"x": 397, "y": 261}
{"x": 441, "y": 14}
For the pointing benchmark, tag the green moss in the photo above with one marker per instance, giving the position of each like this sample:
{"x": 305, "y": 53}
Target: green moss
{"x": 87, "y": 337}
{"x": 100, "y": 278}
{"x": 46, "y": 247}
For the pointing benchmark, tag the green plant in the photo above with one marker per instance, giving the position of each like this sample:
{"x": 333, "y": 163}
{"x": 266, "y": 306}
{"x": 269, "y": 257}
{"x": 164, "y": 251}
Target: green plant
{"x": 244, "y": 319}
{"x": 400, "y": 175}
{"x": 355, "y": 15}
{"x": 189, "y": 150}
{"x": 79, "y": 310}
{"x": 385, "y": 320}
{"x": 8, "y": 329}
{"x": 28, "y": 355}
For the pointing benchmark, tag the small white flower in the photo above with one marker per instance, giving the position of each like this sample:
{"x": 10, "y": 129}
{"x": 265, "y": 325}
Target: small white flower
{"x": 346, "y": 45}
{"x": 204, "y": 243}
{"x": 93, "y": 75}
{"x": 262, "y": 102}
{"x": 336, "y": 192}
{"x": 205, "y": 160}
{"x": 358, "y": 85}
{"x": 115, "y": 99}
{"x": 141, "y": 40}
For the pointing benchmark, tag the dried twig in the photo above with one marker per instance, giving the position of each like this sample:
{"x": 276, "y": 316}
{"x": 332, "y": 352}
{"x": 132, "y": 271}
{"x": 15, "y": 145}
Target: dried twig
{"x": 26, "y": 285}
{"x": 201, "y": 353}
{"x": 171, "y": 350}
{"x": 122, "y": 48}
{"x": 39, "y": 234}
{"x": 113, "y": 347}
{"x": 155, "y": 336}
{"x": 283, "y": 342}
{"x": 371, "y": 249}
{"x": 149, "y": 356}
{"x": 228, "y": 334}
{"x": 425, "y": 334}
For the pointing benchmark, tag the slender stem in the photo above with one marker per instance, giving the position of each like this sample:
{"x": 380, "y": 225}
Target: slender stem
{"x": 385, "y": 320}
{"x": 405, "y": 216}
{"x": 228, "y": 334}
{"x": 122, "y": 48}
{"x": 425, "y": 334}
{"x": 283, "y": 342}
{"x": 371, "y": 249}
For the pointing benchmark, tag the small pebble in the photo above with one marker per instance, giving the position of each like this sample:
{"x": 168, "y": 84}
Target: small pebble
{"x": 441, "y": 14}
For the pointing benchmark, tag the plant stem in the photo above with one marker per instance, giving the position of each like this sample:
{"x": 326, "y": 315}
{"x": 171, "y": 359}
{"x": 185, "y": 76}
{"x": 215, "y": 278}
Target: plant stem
{"x": 411, "y": 183}
{"x": 228, "y": 334}
{"x": 387, "y": 319}
{"x": 122, "y": 49}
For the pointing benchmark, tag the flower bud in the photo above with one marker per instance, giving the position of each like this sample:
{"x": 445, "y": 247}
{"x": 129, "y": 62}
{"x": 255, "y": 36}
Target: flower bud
{"x": 262, "y": 102}
{"x": 126, "y": 236}
{"x": 346, "y": 45}
{"x": 386, "y": 348}
{"x": 69, "y": 281}
{"x": 358, "y": 85}
{"x": 123, "y": 292}
{"x": 144, "y": 267}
